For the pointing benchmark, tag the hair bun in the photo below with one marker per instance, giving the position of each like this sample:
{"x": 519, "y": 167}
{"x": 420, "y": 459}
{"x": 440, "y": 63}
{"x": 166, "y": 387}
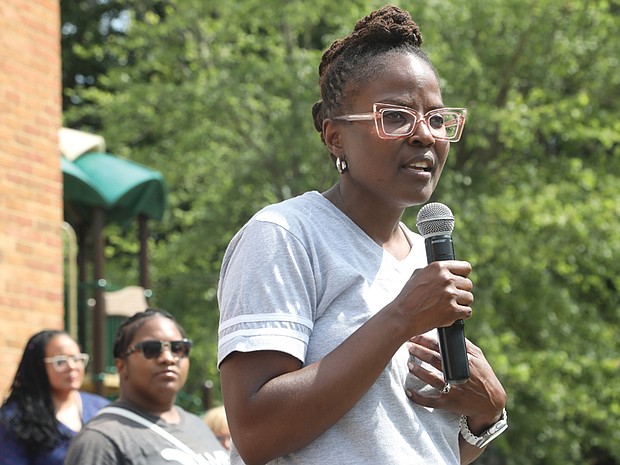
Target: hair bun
{"x": 390, "y": 24}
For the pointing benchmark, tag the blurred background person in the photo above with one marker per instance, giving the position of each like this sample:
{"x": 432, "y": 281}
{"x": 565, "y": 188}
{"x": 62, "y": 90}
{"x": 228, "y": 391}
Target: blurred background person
{"x": 144, "y": 426}
{"x": 215, "y": 418}
{"x": 45, "y": 407}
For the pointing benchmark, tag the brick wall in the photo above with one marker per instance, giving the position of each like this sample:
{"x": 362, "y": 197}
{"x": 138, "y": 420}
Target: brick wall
{"x": 31, "y": 243}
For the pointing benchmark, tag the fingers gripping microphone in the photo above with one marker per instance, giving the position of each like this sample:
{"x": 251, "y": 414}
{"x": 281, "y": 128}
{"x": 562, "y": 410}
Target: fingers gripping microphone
{"x": 435, "y": 223}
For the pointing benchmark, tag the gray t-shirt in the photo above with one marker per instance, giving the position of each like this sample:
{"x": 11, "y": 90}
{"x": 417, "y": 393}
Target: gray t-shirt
{"x": 300, "y": 277}
{"x": 110, "y": 439}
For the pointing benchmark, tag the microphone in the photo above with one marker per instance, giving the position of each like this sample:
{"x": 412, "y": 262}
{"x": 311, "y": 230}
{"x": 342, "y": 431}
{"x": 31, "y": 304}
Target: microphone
{"x": 435, "y": 223}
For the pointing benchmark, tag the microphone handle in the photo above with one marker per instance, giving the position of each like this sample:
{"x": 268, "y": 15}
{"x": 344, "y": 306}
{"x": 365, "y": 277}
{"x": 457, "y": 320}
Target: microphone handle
{"x": 452, "y": 338}
{"x": 454, "y": 353}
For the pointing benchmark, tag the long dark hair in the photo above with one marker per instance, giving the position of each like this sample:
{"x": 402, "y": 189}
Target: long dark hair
{"x": 28, "y": 411}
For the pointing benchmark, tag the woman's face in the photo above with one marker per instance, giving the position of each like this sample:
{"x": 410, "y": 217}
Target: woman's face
{"x": 153, "y": 382}
{"x": 71, "y": 375}
{"x": 387, "y": 172}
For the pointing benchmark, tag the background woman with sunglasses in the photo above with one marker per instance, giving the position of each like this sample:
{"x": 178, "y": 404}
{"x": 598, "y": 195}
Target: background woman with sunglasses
{"x": 144, "y": 426}
{"x": 327, "y": 339}
{"x": 45, "y": 408}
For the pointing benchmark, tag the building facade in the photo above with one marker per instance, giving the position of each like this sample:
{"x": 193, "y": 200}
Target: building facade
{"x": 31, "y": 205}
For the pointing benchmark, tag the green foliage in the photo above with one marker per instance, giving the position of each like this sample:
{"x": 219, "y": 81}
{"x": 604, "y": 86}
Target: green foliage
{"x": 217, "y": 97}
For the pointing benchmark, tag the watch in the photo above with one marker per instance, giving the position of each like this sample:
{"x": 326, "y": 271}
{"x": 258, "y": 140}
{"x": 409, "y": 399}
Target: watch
{"x": 491, "y": 433}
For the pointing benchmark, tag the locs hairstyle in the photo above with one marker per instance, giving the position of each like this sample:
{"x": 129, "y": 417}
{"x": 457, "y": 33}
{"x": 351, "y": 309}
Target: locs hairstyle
{"x": 360, "y": 57}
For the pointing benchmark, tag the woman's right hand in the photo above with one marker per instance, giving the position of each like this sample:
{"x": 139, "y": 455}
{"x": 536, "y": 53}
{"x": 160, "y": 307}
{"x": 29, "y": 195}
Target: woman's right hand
{"x": 436, "y": 296}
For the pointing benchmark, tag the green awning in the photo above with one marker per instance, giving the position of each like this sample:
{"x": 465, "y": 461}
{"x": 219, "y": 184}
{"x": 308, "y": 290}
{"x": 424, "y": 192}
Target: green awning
{"x": 123, "y": 188}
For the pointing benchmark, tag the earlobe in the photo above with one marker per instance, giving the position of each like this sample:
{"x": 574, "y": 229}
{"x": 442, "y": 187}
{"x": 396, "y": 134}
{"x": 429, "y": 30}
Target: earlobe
{"x": 333, "y": 137}
{"x": 120, "y": 366}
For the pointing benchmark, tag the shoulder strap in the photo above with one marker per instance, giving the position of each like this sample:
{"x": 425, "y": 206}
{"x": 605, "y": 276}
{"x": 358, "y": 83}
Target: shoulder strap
{"x": 149, "y": 424}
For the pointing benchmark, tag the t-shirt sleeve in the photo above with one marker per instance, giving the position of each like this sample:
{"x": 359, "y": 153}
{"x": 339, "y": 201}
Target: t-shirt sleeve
{"x": 266, "y": 293}
{"x": 93, "y": 448}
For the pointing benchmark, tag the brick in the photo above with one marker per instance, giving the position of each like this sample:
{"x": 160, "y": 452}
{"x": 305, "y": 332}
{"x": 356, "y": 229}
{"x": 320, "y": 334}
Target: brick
{"x": 31, "y": 247}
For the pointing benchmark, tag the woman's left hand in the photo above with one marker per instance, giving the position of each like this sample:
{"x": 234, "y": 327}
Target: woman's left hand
{"x": 482, "y": 397}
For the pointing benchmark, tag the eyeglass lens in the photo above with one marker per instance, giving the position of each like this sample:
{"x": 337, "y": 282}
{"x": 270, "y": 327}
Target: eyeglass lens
{"x": 153, "y": 349}
{"x": 61, "y": 362}
{"x": 396, "y": 122}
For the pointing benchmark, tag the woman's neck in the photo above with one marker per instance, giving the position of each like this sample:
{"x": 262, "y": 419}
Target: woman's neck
{"x": 381, "y": 224}
{"x": 68, "y": 409}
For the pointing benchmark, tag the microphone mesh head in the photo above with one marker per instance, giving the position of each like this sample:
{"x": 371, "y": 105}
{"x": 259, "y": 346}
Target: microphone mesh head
{"x": 435, "y": 219}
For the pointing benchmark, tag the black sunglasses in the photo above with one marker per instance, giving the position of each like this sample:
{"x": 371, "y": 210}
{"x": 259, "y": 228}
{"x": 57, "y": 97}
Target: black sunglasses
{"x": 154, "y": 349}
